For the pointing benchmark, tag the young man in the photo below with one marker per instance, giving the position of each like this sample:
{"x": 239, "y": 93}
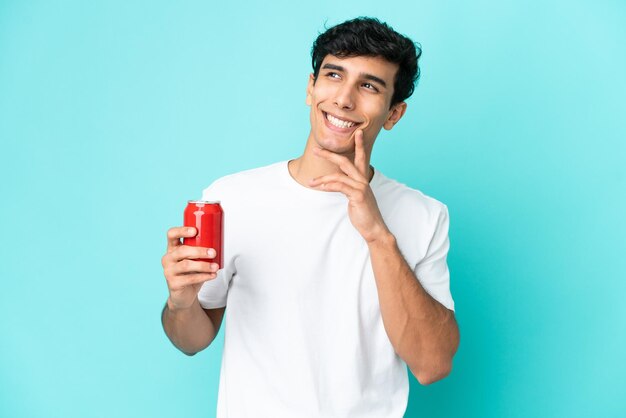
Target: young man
{"x": 335, "y": 276}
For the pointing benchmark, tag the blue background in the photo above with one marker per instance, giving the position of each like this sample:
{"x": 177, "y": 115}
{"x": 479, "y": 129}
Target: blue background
{"x": 114, "y": 113}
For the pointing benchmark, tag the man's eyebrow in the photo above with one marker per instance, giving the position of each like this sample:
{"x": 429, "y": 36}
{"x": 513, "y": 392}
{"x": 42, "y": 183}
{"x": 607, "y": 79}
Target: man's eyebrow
{"x": 374, "y": 78}
{"x": 364, "y": 75}
{"x": 333, "y": 67}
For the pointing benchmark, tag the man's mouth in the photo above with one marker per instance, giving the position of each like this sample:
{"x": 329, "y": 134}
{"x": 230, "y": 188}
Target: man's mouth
{"x": 340, "y": 123}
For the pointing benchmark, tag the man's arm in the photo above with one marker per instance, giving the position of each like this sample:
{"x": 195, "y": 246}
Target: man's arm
{"x": 192, "y": 329}
{"x": 189, "y": 327}
{"x": 422, "y": 331}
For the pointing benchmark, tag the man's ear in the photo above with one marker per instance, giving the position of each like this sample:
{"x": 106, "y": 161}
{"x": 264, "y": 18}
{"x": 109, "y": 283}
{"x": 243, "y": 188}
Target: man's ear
{"x": 395, "y": 113}
{"x": 309, "y": 90}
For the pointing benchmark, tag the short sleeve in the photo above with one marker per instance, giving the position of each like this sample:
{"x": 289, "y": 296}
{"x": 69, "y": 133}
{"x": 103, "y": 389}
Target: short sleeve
{"x": 432, "y": 271}
{"x": 213, "y": 293}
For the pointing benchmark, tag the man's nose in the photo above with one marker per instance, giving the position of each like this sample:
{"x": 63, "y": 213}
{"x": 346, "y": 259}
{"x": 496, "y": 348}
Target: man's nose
{"x": 344, "y": 99}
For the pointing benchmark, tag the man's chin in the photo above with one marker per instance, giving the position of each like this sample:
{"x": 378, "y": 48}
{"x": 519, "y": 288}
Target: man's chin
{"x": 338, "y": 145}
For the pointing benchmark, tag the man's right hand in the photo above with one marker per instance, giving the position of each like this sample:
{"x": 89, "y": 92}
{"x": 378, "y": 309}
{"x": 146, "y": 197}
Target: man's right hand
{"x": 184, "y": 275}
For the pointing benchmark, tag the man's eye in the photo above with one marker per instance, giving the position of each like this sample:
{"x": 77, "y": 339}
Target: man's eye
{"x": 370, "y": 86}
{"x": 332, "y": 75}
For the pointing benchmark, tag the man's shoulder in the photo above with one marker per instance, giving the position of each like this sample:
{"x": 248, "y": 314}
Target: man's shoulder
{"x": 398, "y": 194}
{"x": 250, "y": 178}
{"x": 252, "y": 173}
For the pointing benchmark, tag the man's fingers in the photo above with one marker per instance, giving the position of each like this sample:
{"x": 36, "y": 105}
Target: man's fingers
{"x": 337, "y": 186}
{"x": 188, "y": 252}
{"x": 335, "y": 177}
{"x": 359, "y": 153}
{"x": 175, "y": 234}
{"x": 186, "y": 267}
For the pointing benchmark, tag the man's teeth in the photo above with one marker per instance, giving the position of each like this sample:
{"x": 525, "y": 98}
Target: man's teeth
{"x": 338, "y": 122}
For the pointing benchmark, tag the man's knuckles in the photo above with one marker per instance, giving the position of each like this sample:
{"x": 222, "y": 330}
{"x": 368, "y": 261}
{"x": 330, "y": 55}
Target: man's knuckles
{"x": 187, "y": 251}
{"x": 188, "y": 266}
{"x": 180, "y": 232}
{"x": 174, "y": 233}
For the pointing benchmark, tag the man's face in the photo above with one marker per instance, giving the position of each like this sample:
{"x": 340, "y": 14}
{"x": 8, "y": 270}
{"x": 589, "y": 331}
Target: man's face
{"x": 352, "y": 93}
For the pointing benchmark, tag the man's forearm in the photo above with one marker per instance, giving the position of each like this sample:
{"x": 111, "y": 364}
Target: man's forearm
{"x": 422, "y": 331}
{"x": 190, "y": 330}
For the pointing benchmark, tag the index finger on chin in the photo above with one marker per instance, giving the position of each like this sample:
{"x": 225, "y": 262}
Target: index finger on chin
{"x": 359, "y": 153}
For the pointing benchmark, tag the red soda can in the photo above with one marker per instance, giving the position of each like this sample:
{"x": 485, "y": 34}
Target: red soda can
{"x": 208, "y": 219}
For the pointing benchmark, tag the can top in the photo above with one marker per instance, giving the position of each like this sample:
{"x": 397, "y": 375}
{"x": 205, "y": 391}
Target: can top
{"x": 206, "y": 202}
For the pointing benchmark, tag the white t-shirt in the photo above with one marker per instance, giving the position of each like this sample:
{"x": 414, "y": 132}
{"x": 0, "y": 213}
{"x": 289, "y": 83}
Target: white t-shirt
{"x": 304, "y": 335}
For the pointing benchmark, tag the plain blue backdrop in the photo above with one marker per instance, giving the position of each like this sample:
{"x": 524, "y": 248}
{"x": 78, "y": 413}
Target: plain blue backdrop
{"x": 114, "y": 113}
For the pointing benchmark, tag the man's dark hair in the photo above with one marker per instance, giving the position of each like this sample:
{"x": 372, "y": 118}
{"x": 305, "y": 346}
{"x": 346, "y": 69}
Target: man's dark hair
{"x": 366, "y": 36}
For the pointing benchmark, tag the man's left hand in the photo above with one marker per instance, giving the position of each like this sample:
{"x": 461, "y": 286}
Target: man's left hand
{"x": 353, "y": 182}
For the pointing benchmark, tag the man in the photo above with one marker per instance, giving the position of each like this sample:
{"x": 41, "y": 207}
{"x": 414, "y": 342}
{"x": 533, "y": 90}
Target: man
{"x": 335, "y": 276}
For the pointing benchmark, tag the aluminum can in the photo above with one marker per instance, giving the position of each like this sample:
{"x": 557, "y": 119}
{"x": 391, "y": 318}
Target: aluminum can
{"x": 208, "y": 219}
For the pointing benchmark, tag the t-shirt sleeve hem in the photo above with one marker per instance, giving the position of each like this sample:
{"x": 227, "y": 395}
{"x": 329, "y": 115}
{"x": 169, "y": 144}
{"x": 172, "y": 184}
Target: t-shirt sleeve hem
{"x": 445, "y": 300}
{"x": 448, "y": 304}
{"x": 211, "y": 304}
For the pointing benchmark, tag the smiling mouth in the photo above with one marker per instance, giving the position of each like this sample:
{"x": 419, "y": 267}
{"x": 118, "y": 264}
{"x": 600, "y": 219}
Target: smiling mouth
{"x": 336, "y": 122}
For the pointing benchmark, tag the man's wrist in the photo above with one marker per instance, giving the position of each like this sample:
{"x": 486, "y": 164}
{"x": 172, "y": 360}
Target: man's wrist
{"x": 171, "y": 307}
{"x": 384, "y": 238}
